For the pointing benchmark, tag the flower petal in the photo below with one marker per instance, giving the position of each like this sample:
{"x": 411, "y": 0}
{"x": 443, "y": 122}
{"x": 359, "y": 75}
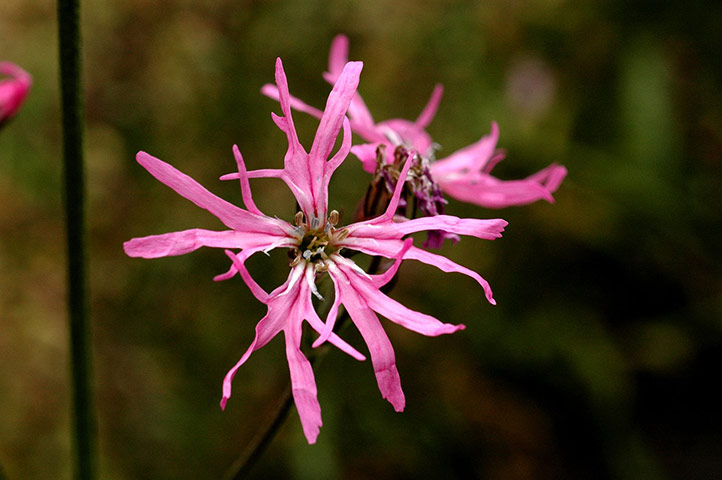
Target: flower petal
{"x": 231, "y": 215}
{"x": 342, "y": 153}
{"x": 232, "y": 271}
{"x": 280, "y": 303}
{"x": 472, "y": 158}
{"x": 271, "y": 91}
{"x": 374, "y": 244}
{"x": 338, "y": 56}
{"x": 407, "y": 318}
{"x": 330, "y": 318}
{"x": 550, "y": 177}
{"x": 361, "y": 119}
{"x": 384, "y": 278}
{"x": 285, "y": 99}
{"x": 245, "y": 185}
{"x": 261, "y": 173}
{"x": 396, "y": 196}
{"x": 379, "y": 302}
{"x": 382, "y": 353}
{"x": 240, "y": 267}
{"x": 367, "y": 154}
{"x": 427, "y": 115}
{"x": 487, "y": 229}
{"x": 179, "y": 243}
{"x": 333, "y": 116}
{"x": 325, "y": 329}
{"x": 408, "y": 133}
{"x": 487, "y": 191}
{"x": 296, "y": 165}
{"x": 267, "y": 328}
{"x": 308, "y": 174}
{"x": 446, "y": 265}
{"x": 303, "y": 383}
{"x": 334, "y": 340}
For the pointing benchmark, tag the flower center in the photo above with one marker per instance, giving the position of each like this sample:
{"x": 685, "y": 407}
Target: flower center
{"x": 316, "y": 241}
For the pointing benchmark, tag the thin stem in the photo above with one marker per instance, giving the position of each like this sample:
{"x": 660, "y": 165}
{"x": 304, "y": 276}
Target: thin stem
{"x": 245, "y": 462}
{"x": 74, "y": 189}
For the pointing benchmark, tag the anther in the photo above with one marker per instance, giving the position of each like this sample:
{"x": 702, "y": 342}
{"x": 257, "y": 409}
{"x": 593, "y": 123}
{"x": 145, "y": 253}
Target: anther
{"x": 298, "y": 219}
{"x": 333, "y": 218}
{"x": 296, "y": 260}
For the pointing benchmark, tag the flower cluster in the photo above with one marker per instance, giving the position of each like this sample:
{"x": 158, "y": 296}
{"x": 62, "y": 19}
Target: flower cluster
{"x": 318, "y": 245}
{"x": 13, "y": 89}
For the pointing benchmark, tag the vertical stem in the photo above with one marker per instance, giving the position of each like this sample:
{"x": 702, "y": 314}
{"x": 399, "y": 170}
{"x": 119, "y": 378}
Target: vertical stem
{"x": 74, "y": 183}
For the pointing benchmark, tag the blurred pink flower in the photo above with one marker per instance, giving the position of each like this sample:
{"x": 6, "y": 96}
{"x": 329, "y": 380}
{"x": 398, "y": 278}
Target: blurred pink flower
{"x": 464, "y": 175}
{"x": 13, "y": 90}
{"x": 315, "y": 244}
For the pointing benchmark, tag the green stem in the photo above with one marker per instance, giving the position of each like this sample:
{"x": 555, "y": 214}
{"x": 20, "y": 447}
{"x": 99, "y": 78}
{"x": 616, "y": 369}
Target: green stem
{"x": 74, "y": 188}
{"x": 245, "y": 462}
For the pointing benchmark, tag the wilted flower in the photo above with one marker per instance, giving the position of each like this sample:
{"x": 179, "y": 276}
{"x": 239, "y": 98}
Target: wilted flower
{"x": 465, "y": 175}
{"x": 316, "y": 243}
{"x": 13, "y": 89}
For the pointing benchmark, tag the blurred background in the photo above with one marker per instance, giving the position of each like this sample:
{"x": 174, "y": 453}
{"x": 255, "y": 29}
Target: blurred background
{"x": 599, "y": 360}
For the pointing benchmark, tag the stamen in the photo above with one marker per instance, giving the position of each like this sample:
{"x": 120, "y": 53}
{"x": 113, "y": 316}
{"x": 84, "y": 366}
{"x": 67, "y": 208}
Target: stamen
{"x": 333, "y": 217}
{"x": 298, "y": 219}
{"x": 321, "y": 267}
{"x": 341, "y": 234}
{"x": 296, "y": 260}
{"x": 314, "y": 290}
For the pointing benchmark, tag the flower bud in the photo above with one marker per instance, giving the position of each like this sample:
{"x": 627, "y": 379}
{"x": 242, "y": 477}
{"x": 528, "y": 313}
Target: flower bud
{"x": 13, "y": 89}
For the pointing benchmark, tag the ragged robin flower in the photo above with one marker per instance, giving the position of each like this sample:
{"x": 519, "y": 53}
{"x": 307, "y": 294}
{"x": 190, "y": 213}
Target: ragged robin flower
{"x": 316, "y": 243}
{"x": 464, "y": 175}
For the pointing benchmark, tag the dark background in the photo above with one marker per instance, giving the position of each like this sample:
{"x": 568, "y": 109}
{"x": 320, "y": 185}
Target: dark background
{"x": 599, "y": 360}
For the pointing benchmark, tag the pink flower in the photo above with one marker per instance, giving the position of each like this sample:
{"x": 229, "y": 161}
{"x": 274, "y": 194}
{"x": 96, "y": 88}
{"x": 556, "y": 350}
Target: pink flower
{"x": 316, "y": 245}
{"x": 13, "y": 90}
{"x": 464, "y": 175}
